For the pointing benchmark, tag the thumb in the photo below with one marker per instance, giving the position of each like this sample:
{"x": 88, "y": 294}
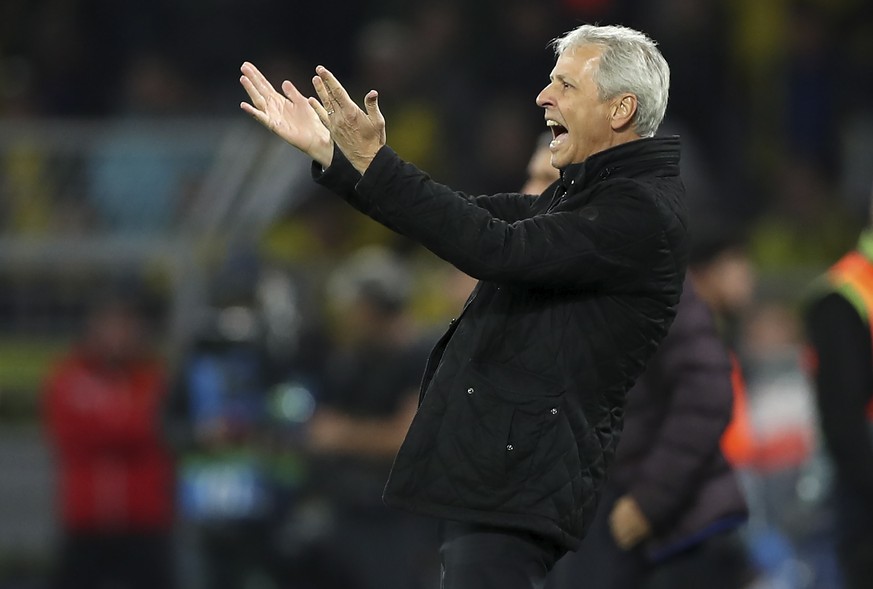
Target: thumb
{"x": 371, "y": 102}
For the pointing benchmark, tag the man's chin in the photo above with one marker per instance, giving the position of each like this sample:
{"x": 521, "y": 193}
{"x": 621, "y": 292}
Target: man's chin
{"x": 559, "y": 161}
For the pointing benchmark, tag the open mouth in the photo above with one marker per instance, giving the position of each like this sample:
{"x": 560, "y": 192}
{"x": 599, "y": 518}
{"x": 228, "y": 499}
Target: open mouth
{"x": 557, "y": 130}
{"x": 559, "y": 133}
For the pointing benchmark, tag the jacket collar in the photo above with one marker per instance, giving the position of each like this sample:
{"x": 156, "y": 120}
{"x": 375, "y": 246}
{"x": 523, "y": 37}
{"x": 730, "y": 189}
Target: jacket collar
{"x": 626, "y": 160}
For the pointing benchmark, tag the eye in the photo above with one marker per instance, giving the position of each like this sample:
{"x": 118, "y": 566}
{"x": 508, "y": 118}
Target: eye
{"x": 565, "y": 85}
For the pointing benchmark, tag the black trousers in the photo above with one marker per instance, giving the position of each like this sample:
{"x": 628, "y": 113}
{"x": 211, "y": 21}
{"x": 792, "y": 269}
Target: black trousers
{"x": 375, "y": 547}
{"x": 483, "y": 557}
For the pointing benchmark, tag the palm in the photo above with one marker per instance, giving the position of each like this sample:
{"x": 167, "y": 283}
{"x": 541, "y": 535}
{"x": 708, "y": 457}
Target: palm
{"x": 289, "y": 116}
{"x": 296, "y": 123}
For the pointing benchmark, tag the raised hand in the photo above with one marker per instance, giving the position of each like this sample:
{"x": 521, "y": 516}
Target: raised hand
{"x": 290, "y": 116}
{"x": 358, "y": 134}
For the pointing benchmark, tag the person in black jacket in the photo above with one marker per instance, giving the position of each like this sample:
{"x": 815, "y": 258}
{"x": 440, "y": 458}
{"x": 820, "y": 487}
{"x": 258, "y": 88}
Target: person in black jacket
{"x": 367, "y": 399}
{"x": 672, "y": 504}
{"x": 838, "y": 327}
{"x": 522, "y": 398}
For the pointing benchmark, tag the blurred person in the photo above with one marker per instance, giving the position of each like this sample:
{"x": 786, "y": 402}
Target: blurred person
{"x": 102, "y": 409}
{"x": 521, "y": 401}
{"x": 672, "y": 504}
{"x": 771, "y": 438}
{"x": 368, "y": 399}
{"x": 540, "y": 172}
{"x": 781, "y": 399}
{"x": 723, "y": 276}
{"x": 242, "y": 390}
{"x": 137, "y": 179}
{"x": 839, "y": 333}
{"x": 722, "y": 272}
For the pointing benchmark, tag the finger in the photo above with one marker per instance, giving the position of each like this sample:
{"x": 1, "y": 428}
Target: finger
{"x": 256, "y": 114}
{"x": 256, "y": 97}
{"x": 319, "y": 110}
{"x": 325, "y": 96}
{"x": 334, "y": 88}
{"x": 371, "y": 102}
{"x": 291, "y": 92}
{"x": 257, "y": 78}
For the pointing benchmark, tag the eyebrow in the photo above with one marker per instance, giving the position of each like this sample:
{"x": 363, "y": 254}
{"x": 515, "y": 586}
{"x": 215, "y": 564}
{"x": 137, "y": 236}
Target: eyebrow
{"x": 562, "y": 78}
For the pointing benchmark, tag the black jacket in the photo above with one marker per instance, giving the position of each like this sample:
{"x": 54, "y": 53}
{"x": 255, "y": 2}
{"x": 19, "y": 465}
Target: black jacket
{"x": 522, "y": 398}
{"x": 837, "y": 315}
{"x": 669, "y": 459}
{"x": 842, "y": 345}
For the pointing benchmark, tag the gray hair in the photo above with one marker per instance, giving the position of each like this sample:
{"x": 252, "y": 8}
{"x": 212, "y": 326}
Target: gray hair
{"x": 630, "y": 63}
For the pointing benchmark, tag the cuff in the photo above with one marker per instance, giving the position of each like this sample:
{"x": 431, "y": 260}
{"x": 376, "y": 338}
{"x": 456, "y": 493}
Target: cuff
{"x": 339, "y": 176}
{"x": 381, "y": 170}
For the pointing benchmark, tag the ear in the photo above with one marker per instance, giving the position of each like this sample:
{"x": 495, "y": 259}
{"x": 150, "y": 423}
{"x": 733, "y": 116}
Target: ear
{"x": 624, "y": 107}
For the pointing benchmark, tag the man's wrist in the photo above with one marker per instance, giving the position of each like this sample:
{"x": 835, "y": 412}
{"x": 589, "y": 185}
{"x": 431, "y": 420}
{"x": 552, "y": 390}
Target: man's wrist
{"x": 361, "y": 162}
{"x": 324, "y": 154}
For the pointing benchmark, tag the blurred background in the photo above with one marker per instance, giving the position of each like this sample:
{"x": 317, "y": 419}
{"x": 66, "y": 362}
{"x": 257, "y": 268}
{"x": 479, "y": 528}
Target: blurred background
{"x": 158, "y": 245}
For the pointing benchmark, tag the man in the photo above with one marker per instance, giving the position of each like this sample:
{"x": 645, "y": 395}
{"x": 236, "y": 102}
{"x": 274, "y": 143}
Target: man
{"x": 839, "y": 331}
{"x": 672, "y": 504}
{"x": 102, "y": 410}
{"x": 521, "y": 400}
{"x": 367, "y": 399}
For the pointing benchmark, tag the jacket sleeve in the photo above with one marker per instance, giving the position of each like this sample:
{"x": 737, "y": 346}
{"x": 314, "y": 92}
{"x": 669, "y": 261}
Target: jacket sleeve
{"x": 694, "y": 373}
{"x": 342, "y": 178}
{"x": 843, "y": 382}
{"x": 607, "y": 240}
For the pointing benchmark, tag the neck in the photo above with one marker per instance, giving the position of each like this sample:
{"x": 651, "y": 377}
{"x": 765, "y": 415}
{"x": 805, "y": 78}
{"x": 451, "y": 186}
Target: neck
{"x": 614, "y": 140}
{"x": 621, "y": 137}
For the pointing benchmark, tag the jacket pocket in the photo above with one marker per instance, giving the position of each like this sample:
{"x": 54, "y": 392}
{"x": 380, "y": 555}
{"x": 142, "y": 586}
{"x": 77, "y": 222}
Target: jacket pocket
{"x": 501, "y": 417}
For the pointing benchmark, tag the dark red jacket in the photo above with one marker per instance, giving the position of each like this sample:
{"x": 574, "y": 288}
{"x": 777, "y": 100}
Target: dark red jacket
{"x": 104, "y": 425}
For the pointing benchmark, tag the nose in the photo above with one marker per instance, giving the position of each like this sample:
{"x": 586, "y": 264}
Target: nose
{"x": 544, "y": 99}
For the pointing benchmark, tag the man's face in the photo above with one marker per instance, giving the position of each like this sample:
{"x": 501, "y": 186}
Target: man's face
{"x": 579, "y": 119}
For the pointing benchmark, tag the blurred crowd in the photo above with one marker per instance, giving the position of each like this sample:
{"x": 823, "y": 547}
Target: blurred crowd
{"x": 771, "y": 98}
{"x": 250, "y": 450}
